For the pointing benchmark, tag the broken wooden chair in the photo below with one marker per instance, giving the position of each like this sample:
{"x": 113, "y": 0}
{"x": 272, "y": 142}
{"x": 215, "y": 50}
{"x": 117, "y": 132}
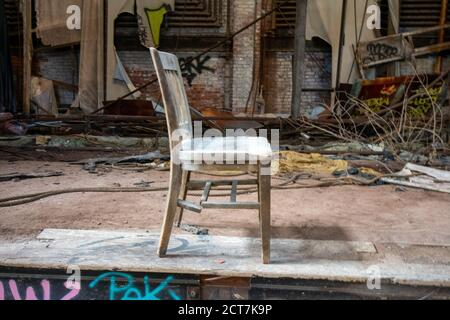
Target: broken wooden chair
{"x": 196, "y": 154}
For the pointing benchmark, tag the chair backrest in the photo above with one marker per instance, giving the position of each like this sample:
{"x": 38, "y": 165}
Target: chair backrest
{"x": 174, "y": 96}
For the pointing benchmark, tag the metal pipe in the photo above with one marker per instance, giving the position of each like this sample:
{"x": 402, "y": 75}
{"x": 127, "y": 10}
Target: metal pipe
{"x": 299, "y": 58}
{"x": 442, "y": 22}
{"x": 341, "y": 43}
{"x": 27, "y": 54}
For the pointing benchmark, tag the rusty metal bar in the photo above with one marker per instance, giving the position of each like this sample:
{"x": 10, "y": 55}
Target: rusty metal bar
{"x": 299, "y": 58}
{"x": 426, "y": 30}
{"x": 443, "y": 19}
{"x": 430, "y": 49}
{"x": 27, "y": 54}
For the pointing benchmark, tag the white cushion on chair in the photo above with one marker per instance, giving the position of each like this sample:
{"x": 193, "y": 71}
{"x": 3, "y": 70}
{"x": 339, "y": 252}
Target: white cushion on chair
{"x": 221, "y": 149}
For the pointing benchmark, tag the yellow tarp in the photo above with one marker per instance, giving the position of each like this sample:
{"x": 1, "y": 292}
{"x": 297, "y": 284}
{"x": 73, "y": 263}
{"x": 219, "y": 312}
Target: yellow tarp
{"x": 291, "y": 161}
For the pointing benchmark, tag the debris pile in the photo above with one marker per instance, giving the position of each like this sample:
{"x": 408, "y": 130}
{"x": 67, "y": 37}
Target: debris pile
{"x": 414, "y": 124}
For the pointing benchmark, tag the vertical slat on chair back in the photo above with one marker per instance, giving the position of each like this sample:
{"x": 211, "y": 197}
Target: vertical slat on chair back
{"x": 173, "y": 92}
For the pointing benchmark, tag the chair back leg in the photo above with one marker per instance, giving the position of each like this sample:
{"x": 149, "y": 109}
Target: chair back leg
{"x": 176, "y": 174}
{"x": 264, "y": 212}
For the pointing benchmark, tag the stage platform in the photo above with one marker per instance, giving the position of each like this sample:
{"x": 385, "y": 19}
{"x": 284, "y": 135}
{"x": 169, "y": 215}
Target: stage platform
{"x": 359, "y": 263}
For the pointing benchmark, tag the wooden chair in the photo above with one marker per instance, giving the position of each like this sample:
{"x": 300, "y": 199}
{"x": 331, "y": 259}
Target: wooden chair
{"x": 249, "y": 154}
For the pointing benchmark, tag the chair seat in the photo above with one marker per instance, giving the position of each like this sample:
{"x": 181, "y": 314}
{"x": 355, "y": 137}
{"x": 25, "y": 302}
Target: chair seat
{"x": 225, "y": 150}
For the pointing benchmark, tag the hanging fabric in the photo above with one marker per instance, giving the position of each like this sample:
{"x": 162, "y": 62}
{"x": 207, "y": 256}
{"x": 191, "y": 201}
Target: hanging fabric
{"x": 154, "y": 19}
{"x": 52, "y": 18}
{"x": 148, "y": 28}
{"x": 121, "y": 75}
{"x": 7, "y": 98}
{"x": 322, "y": 20}
{"x": 91, "y": 81}
{"x": 43, "y": 96}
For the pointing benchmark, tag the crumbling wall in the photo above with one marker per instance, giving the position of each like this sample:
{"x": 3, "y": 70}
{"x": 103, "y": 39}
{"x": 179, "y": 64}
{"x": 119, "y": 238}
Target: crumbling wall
{"x": 60, "y": 65}
{"x": 424, "y": 65}
{"x": 207, "y": 88}
{"x": 225, "y": 80}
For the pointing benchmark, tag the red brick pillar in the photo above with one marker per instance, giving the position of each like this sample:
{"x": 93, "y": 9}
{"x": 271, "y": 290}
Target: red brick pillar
{"x": 246, "y": 53}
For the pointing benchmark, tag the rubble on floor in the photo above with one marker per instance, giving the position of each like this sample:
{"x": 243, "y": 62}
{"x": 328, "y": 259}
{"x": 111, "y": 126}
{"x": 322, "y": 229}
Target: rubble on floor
{"x": 373, "y": 134}
{"x": 421, "y": 177}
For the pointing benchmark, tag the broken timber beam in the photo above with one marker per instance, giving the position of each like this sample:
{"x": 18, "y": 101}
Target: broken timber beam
{"x": 299, "y": 58}
{"x": 27, "y": 54}
{"x": 442, "y": 21}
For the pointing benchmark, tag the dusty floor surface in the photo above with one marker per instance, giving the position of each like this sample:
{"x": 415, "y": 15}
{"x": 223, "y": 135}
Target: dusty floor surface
{"x": 381, "y": 214}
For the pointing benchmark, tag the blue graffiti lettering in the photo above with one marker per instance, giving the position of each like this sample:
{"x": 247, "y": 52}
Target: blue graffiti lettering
{"x": 129, "y": 291}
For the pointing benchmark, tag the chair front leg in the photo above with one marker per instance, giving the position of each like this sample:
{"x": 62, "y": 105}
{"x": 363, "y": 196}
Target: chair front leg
{"x": 171, "y": 209}
{"x": 265, "y": 192}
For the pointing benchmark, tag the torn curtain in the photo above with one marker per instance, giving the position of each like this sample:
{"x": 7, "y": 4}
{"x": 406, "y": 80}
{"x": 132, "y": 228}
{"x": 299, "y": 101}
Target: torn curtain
{"x": 148, "y": 33}
{"x": 91, "y": 81}
{"x": 150, "y": 15}
{"x": 323, "y": 21}
{"x": 52, "y": 18}
{"x": 7, "y": 98}
{"x": 52, "y": 29}
{"x": 43, "y": 96}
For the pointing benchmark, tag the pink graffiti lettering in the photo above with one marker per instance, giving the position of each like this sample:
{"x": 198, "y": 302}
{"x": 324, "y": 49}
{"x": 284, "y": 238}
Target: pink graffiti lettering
{"x": 2, "y": 292}
{"x": 72, "y": 294}
{"x": 30, "y": 293}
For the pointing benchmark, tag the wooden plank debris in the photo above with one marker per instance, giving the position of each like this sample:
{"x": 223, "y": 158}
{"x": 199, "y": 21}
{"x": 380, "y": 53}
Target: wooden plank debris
{"x": 431, "y": 179}
{"x": 398, "y": 47}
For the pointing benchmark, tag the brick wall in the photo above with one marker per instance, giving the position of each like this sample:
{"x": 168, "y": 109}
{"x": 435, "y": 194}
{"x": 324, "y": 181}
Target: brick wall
{"x": 60, "y": 65}
{"x": 424, "y": 65}
{"x": 229, "y": 85}
{"x": 207, "y": 88}
{"x": 245, "y": 51}
{"x": 278, "y": 79}
{"x": 278, "y": 74}
{"x": 233, "y": 82}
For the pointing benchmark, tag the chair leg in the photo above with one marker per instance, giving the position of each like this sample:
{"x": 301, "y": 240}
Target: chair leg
{"x": 171, "y": 209}
{"x": 183, "y": 195}
{"x": 259, "y": 196}
{"x": 265, "y": 191}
